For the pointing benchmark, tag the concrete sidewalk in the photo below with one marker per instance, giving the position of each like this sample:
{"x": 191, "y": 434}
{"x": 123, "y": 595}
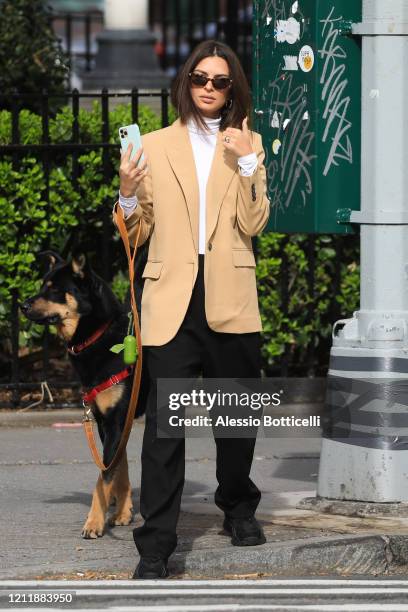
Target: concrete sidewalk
{"x": 47, "y": 478}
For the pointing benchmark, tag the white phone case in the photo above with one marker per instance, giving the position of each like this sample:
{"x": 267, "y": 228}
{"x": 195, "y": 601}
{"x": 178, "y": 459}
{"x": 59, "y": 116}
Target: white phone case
{"x": 131, "y": 134}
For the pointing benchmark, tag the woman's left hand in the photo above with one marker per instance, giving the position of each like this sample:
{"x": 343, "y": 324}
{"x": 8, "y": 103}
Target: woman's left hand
{"x": 239, "y": 140}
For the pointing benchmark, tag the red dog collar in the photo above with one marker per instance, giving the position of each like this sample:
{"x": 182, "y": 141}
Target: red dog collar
{"x": 77, "y": 348}
{"x": 89, "y": 396}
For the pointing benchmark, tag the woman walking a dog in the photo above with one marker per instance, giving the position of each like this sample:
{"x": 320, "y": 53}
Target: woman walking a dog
{"x": 200, "y": 195}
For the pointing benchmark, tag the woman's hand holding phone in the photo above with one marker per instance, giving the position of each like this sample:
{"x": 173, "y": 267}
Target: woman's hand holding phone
{"x": 131, "y": 175}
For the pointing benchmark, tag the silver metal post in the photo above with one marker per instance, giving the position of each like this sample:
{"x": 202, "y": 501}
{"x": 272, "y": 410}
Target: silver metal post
{"x": 365, "y": 447}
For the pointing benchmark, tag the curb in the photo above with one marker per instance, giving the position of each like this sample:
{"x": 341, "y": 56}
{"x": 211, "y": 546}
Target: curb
{"x": 13, "y": 418}
{"x": 344, "y": 555}
{"x": 352, "y": 508}
{"x": 347, "y": 554}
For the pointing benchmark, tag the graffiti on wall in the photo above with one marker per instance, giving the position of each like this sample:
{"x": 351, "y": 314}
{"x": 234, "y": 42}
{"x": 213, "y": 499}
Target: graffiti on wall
{"x": 333, "y": 94}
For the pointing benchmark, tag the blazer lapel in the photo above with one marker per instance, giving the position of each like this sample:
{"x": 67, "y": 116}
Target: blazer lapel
{"x": 180, "y": 155}
{"x": 224, "y": 164}
{"x": 223, "y": 168}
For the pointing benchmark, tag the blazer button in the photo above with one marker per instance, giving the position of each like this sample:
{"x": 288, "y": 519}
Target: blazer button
{"x": 209, "y": 246}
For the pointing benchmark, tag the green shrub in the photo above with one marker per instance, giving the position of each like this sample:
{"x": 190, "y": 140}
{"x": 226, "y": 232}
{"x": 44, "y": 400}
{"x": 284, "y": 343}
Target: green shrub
{"x": 76, "y": 213}
{"x": 79, "y": 214}
{"x": 291, "y": 329}
{"x": 31, "y": 56}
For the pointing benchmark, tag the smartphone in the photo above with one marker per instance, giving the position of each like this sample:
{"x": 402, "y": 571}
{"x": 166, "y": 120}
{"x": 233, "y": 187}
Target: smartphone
{"x": 131, "y": 134}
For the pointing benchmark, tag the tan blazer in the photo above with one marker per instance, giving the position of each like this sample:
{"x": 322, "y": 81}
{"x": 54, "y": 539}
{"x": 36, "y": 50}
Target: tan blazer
{"x": 236, "y": 209}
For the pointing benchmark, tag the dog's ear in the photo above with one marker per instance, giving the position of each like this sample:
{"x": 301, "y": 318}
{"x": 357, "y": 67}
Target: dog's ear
{"x": 79, "y": 264}
{"x": 52, "y": 258}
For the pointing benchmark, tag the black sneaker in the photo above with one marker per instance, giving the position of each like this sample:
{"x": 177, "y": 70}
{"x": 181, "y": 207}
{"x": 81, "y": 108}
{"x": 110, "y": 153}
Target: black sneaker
{"x": 151, "y": 568}
{"x": 244, "y": 531}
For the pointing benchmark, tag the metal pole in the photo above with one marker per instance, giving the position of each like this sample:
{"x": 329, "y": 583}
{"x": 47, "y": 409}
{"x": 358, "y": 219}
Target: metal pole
{"x": 365, "y": 445}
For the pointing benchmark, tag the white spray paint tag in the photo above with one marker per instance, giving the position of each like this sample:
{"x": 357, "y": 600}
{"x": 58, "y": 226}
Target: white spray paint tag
{"x": 291, "y": 62}
{"x": 287, "y": 30}
{"x": 275, "y": 123}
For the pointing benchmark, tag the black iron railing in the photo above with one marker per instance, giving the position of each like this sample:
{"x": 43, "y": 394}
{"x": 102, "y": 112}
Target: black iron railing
{"x": 178, "y": 26}
{"x": 45, "y": 152}
{"x": 77, "y": 32}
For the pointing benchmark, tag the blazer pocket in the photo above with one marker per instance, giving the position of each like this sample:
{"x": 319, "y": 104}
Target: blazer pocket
{"x": 243, "y": 258}
{"x": 152, "y": 269}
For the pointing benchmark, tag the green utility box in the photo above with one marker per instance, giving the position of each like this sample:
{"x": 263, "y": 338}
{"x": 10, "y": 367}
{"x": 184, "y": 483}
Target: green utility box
{"x": 307, "y": 106}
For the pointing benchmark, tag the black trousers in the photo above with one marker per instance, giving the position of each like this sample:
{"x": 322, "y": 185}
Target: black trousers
{"x": 195, "y": 349}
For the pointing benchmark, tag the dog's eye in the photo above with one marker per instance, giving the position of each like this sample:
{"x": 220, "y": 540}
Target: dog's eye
{"x": 54, "y": 292}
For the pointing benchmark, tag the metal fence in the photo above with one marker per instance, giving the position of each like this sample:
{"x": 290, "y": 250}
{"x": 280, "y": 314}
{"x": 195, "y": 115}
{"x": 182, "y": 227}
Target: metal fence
{"x": 46, "y": 151}
{"x": 77, "y": 32}
{"x": 178, "y": 26}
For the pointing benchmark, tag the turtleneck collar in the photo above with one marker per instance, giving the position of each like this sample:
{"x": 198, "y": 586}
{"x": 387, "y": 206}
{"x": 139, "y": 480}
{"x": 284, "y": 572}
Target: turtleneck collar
{"x": 213, "y": 125}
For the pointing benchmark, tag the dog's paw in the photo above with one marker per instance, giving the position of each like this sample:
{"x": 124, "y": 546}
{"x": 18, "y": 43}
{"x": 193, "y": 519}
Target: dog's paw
{"x": 121, "y": 518}
{"x": 93, "y": 529}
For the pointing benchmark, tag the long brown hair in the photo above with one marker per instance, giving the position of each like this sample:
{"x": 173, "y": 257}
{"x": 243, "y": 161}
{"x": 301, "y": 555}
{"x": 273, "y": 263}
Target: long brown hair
{"x": 239, "y": 91}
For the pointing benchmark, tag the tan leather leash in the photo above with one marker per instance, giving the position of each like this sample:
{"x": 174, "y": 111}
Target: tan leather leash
{"x": 88, "y": 421}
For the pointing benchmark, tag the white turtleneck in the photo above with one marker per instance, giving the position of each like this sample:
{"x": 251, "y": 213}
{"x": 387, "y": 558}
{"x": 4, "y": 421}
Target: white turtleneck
{"x": 203, "y": 145}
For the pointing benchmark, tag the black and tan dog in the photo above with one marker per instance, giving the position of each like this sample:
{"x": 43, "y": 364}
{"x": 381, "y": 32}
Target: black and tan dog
{"x": 90, "y": 320}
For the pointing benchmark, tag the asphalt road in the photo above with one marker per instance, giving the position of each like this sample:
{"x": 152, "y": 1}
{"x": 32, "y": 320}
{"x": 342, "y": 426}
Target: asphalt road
{"x": 47, "y": 477}
{"x": 46, "y": 481}
{"x": 318, "y": 595}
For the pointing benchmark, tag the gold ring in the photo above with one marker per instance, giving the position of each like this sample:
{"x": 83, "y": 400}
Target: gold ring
{"x": 226, "y": 139}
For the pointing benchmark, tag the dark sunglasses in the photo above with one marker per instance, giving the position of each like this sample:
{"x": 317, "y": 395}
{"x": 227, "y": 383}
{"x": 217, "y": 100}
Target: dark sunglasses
{"x": 201, "y": 80}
